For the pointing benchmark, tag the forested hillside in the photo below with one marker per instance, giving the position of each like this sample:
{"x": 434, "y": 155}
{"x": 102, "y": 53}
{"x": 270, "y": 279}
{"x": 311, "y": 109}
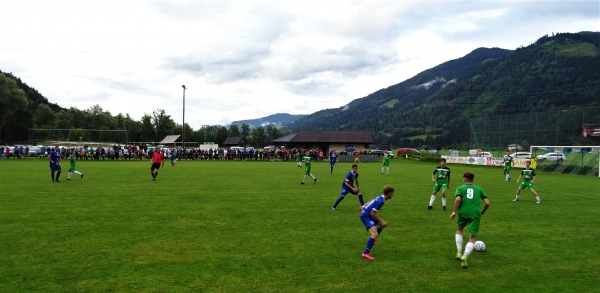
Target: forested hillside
{"x": 434, "y": 106}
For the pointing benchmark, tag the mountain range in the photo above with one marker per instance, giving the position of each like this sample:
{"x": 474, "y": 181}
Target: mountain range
{"x": 435, "y": 106}
{"x": 277, "y": 120}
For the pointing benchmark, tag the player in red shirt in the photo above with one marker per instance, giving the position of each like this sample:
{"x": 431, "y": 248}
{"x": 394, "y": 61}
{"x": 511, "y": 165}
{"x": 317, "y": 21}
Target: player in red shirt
{"x": 157, "y": 162}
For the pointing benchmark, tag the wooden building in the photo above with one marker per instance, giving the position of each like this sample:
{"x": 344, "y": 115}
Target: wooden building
{"x": 326, "y": 140}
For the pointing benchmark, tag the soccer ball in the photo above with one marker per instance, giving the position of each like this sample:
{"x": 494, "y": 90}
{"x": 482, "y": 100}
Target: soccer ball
{"x": 479, "y": 246}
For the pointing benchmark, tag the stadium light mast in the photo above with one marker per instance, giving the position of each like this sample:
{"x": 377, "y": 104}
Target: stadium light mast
{"x": 183, "y": 125}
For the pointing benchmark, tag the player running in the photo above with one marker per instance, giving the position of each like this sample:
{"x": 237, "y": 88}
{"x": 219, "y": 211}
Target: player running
{"x": 73, "y": 166}
{"x": 157, "y": 162}
{"x": 372, "y": 221}
{"x": 528, "y": 175}
{"x": 173, "y": 157}
{"x": 467, "y": 205}
{"x": 386, "y": 162}
{"x": 298, "y": 159}
{"x": 348, "y": 187}
{"x": 509, "y": 163}
{"x": 307, "y": 166}
{"x": 333, "y": 157}
{"x": 441, "y": 179}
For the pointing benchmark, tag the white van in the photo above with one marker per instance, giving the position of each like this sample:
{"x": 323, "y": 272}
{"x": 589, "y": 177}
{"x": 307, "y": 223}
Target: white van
{"x": 475, "y": 153}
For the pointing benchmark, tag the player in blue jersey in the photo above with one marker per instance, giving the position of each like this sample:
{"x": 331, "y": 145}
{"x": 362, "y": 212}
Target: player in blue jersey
{"x": 348, "y": 187}
{"x": 332, "y": 160}
{"x": 372, "y": 221}
{"x": 54, "y": 158}
{"x": 173, "y": 157}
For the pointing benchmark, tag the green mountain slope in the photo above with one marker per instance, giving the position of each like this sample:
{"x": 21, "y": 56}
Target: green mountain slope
{"x": 554, "y": 72}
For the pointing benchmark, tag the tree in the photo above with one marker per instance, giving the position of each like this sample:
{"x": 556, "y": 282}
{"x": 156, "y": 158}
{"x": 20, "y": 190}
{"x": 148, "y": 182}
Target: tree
{"x": 76, "y": 134}
{"x": 134, "y": 129}
{"x": 245, "y": 130}
{"x": 163, "y": 124}
{"x": 148, "y": 131}
{"x": 221, "y": 135}
{"x": 272, "y": 132}
{"x": 44, "y": 117}
{"x": 259, "y": 137}
{"x": 234, "y": 130}
{"x": 12, "y": 99}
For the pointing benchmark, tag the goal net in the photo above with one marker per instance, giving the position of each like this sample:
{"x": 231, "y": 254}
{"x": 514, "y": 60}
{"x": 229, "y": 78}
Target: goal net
{"x": 581, "y": 160}
{"x": 78, "y": 135}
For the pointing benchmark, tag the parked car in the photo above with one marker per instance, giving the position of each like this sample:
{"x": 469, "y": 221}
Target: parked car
{"x": 379, "y": 153}
{"x": 34, "y": 151}
{"x": 554, "y": 157}
{"x": 455, "y": 153}
{"x": 487, "y": 154}
{"x": 391, "y": 154}
{"x": 521, "y": 155}
{"x": 476, "y": 153}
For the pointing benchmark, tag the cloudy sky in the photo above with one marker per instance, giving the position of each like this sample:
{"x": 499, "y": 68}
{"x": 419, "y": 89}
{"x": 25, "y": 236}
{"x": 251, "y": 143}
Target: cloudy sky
{"x": 248, "y": 59}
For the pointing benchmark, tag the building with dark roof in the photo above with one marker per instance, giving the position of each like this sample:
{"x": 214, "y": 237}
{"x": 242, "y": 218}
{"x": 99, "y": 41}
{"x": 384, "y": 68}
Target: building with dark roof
{"x": 234, "y": 141}
{"x": 326, "y": 140}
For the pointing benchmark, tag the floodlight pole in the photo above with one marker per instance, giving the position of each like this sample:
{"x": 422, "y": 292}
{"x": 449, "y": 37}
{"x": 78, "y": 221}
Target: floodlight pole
{"x": 183, "y": 125}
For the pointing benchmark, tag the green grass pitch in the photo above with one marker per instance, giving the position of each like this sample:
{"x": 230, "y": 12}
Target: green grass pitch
{"x": 207, "y": 226}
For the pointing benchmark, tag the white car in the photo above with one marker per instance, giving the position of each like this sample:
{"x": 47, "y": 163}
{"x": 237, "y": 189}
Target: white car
{"x": 486, "y": 154}
{"x": 521, "y": 155}
{"x": 554, "y": 157}
{"x": 391, "y": 154}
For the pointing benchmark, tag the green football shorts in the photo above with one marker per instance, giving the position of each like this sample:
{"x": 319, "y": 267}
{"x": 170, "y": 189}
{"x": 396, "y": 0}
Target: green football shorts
{"x": 439, "y": 186}
{"x": 471, "y": 223}
{"x": 524, "y": 185}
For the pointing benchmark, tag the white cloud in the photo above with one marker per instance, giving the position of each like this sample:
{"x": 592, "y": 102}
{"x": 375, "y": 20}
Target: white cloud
{"x": 248, "y": 59}
{"x": 429, "y": 84}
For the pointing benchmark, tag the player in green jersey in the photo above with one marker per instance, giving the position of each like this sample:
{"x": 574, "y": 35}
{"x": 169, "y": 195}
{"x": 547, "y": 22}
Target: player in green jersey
{"x": 73, "y": 166}
{"x": 386, "y": 162}
{"x": 467, "y": 205}
{"x": 298, "y": 159}
{"x": 307, "y": 166}
{"x": 528, "y": 175}
{"x": 441, "y": 180}
{"x": 509, "y": 163}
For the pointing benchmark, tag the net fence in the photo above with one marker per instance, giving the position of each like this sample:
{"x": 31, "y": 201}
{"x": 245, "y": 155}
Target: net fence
{"x": 556, "y": 127}
{"x": 74, "y": 135}
{"x": 566, "y": 159}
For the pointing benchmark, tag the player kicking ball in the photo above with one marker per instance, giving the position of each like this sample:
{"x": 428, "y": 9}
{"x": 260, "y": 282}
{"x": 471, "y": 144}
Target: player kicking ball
{"x": 373, "y": 223}
{"x": 467, "y": 204}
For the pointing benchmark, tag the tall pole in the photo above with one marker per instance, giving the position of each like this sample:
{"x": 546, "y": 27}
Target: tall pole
{"x": 183, "y": 125}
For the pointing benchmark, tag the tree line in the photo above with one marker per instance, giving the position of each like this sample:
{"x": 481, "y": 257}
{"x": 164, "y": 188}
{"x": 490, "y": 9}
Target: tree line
{"x": 23, "y": 108}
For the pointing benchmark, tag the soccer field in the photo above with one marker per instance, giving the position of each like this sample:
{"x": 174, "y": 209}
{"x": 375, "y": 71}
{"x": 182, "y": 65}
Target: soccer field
{"x": 225, "y": 226}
